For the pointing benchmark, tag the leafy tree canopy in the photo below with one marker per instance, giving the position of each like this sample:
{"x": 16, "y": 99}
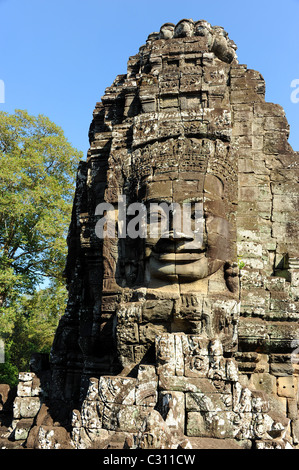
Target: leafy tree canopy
{"x": 37, "y": 173}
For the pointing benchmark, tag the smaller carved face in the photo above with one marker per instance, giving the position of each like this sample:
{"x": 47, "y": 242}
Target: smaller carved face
{"x": 257, "y": 404}
{"x": 184, "y": 28}
{"x": 197, "y": 363}
{"x": 219, "y": 383}
{"x": 220, "y": 31}
{"x": 202, "y": 28}
{"x": 167, "y": 31}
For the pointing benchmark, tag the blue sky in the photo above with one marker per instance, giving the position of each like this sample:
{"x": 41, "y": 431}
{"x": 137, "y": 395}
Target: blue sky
{"x": 58, "y": 56}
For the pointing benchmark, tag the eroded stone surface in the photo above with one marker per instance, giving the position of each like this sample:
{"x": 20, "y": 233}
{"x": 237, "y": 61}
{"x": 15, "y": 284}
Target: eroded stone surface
{"x": 217, "y": 406}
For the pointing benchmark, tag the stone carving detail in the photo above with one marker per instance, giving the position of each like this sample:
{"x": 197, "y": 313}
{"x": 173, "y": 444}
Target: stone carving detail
{"x": 194, "y": 392}
{"x": 216, "y": 38}
{"x": 167, "y": 340}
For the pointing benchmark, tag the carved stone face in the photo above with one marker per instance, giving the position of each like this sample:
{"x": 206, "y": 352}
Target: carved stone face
{"x": 167, "y": 30}
{"x": 202, "y": 28}
{"x": 184, "y": 28}
{"x": 183, "y": 255}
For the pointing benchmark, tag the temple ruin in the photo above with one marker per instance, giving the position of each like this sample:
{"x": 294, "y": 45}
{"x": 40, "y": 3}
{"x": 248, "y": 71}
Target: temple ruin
{"x": 163, "y": 346}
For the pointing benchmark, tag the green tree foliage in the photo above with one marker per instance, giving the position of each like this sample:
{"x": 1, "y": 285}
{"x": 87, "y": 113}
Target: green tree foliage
{"x": 37, "y": 173}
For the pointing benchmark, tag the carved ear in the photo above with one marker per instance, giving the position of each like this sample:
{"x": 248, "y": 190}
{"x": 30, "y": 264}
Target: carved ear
{"x": 231, "y": 276}
{"x": 130, "y": 262}
{"x": 213, "y": 185}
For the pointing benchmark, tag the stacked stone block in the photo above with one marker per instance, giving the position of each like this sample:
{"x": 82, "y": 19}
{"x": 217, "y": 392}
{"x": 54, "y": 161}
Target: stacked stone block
{"x": 26, "y": 405}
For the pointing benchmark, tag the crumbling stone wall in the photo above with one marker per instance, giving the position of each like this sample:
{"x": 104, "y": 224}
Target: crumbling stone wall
{"x": 193, "y": 392}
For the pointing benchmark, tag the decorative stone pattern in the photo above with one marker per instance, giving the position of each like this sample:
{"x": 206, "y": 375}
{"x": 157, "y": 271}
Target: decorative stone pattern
{"x": 193, "y": 392}
{"x": 162, "y": 345}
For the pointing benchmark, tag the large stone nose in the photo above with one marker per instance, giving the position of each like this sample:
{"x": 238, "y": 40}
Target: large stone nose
{"x": 180, "y": 232}
{"x": 187, "y": 233}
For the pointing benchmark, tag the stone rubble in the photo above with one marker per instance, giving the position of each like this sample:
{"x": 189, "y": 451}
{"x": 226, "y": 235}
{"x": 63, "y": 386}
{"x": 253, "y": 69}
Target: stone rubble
{"x": 194, "y": 393}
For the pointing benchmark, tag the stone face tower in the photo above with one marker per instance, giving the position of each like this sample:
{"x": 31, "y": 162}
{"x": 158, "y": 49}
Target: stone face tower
{"x": 163, "y": 132}
{"x": 192, "y": 336}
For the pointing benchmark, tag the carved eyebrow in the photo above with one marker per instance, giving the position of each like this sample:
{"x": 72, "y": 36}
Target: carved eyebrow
{"x": 157, "y": 201}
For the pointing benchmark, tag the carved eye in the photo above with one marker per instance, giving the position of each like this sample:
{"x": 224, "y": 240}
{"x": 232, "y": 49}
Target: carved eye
{"x": 155, "y": 217}
{"x": 208, "y": 216}
{"x": 193, "y": 214}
